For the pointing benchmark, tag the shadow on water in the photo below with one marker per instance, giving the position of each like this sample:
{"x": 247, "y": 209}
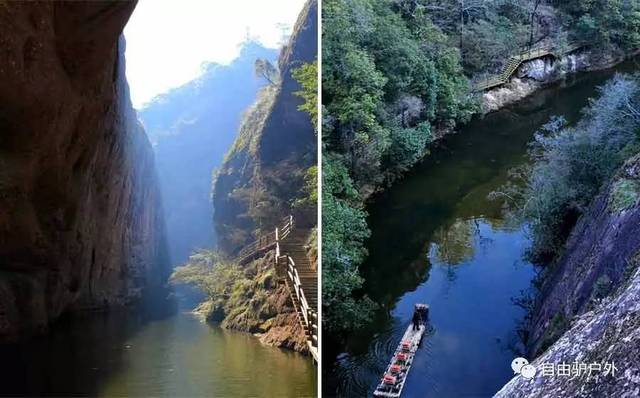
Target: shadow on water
{"x": 78, "y": 355}
{"x": 145, "y": 353}
{"x": 436, "y": 238}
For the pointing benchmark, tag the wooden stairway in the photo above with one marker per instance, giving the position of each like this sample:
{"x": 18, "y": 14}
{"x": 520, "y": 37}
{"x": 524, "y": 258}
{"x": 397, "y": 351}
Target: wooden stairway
{"x": 294, "y": 270}
{"x": 293, "y": 246}
{"x": 515, "y": 61}
{"x": 302, "y": 283}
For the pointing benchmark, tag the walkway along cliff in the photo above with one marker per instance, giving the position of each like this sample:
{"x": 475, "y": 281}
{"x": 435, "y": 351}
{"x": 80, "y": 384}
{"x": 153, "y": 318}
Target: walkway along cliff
{"x": 294, "y": 270}
{"x": 266, "y": 176}
{"x": 80, "y": 214}
{"x": 543, "y": 64}
{"x": 528, "y": 55}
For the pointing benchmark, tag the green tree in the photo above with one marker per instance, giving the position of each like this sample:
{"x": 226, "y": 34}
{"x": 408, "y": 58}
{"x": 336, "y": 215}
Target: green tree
{"x": 390, "y": 79}
{"x": 307, "y": 76}
{"x": 265, "y": 69}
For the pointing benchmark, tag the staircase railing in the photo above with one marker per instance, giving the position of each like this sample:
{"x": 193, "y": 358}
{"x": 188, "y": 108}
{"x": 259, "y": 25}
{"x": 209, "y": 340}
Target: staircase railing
{"x": 309, "y": 316}
{"x": 286, "y": 269}
{"x": 265, "y": 242}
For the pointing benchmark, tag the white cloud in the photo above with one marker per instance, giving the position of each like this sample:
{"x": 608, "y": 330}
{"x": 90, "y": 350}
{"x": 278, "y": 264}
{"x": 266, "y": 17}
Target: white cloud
{"x": 168, "y": 40}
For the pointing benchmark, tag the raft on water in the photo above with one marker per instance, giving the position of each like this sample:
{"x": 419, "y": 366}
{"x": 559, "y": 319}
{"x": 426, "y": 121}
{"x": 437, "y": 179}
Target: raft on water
{"x": 394, "y": 378}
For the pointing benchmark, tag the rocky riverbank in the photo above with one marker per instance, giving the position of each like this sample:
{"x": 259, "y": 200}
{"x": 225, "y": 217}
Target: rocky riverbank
{"x": 260, "y": 305}
{"x": 538, "y": 73}
{"x": 589, "y": 310}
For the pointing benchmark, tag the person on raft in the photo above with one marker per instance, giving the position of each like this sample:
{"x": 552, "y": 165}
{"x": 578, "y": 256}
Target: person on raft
{"x": 417, "y": 319}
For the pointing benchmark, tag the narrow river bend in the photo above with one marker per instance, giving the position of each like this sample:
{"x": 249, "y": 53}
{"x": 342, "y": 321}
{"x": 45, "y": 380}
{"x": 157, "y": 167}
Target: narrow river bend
{"x": 437, "y": 239}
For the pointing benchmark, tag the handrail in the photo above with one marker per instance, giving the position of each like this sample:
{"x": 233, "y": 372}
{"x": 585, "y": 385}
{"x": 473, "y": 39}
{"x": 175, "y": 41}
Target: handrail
{"x": 266, "y": 241}
{"x": 309, "y": 317}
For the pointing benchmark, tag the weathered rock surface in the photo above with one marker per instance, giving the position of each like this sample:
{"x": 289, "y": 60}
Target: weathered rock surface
{"x": 592, "y": 300}
{"x": 597, "y": 257}
{"x": 80, "y": 222}
{"x": 511, "y": 92}
{"x": 609, "y": 334}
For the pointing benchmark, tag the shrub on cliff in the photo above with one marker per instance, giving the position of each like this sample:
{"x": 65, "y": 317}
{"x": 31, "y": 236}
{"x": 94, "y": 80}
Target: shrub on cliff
{"x": 241, "y": 298}
{"x": 307, "y": 76}
{"x": 207, "y": 271}
{"x": 572, "y": 163}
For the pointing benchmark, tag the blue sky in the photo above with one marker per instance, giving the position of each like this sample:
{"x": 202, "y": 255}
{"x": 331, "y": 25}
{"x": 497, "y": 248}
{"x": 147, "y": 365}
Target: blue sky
{"x": 168, "y": 40}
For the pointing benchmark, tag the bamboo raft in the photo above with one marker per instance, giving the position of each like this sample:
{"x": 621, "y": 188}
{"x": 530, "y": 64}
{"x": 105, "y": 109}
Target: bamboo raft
{"x": 394, "y": 378}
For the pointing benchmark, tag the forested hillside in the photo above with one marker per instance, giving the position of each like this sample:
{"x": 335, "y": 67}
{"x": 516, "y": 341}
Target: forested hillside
{"x": 399, "y": 74}
{"x": 192, "y": 127}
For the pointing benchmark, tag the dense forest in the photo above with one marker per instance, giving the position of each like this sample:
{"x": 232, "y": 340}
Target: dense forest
{"x": 397, "y": 75}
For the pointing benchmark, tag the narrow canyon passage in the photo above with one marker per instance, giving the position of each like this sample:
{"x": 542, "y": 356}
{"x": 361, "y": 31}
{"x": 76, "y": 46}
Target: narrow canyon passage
{"x": 437, "y": 239}
{"x": 100, "y": 201}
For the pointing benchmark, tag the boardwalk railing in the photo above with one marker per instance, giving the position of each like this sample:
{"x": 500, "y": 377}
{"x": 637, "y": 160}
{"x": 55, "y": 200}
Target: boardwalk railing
{"x": 286, "y": 270}
{"x": 308, "y": 317}
{"x": 515, "y": 62}
{"x": 265, "y": 242}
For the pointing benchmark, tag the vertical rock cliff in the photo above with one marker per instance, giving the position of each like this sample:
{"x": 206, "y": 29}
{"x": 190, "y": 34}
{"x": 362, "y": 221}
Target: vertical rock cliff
{"x": 263, "y": 172}
{"x": 257, "y": 185}
{"x": 80, "y": 214}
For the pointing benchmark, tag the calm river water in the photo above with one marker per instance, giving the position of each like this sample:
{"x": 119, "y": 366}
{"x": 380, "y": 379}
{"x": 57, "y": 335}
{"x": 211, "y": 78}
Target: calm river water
{"x": 162, "y": 355}
{"x": 437, "y": 239}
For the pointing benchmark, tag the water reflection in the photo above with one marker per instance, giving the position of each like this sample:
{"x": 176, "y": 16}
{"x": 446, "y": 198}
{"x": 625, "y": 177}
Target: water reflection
{"x": 469, "y": 349}
{"x": 453, "y": 244}
{"x": 134, "y": 353}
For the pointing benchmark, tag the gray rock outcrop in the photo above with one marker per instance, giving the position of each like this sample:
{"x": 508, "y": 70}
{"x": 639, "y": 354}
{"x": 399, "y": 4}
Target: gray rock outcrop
{"x": 589, "y": 307}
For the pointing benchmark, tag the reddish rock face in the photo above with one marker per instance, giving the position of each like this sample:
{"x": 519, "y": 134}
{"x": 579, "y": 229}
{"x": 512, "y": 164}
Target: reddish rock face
{"x": 80, "y": 222}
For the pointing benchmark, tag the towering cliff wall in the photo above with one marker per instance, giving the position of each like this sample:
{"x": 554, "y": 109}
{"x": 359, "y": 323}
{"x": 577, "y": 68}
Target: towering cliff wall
{"x": 261, "y": 178}
{"x": 264, "y": 170}
{"x": 80, "y": 214}
{"x": 589, "y": 307}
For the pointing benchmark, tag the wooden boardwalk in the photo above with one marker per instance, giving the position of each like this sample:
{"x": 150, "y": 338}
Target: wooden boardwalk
{"x": 517, "y": 60}
{"x": 294, "y": 270}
